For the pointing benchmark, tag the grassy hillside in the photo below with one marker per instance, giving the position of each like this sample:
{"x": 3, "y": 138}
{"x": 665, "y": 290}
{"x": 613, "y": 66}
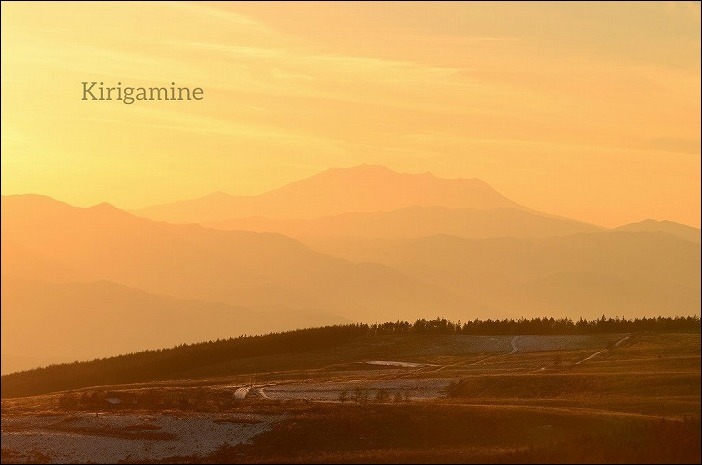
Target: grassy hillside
{"x": 318, "y": 348}
{"x": 574, "y": 398}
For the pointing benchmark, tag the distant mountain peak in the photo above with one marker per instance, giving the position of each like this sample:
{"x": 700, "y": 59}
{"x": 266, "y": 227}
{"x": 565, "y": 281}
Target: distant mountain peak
{"x": 369, "y": 168}
{"x": 654, "y": 222}
{"x": 33, "y": 201}
{"x": 364, "y": 168}
{"x": 361, "y": 188}
{"x": 651, "y": 221}
{"x": 379, "y": 173}
{"x": 218, "y": 195}
{"x": 105, "y": 206}
{"x": 664, "y": 226}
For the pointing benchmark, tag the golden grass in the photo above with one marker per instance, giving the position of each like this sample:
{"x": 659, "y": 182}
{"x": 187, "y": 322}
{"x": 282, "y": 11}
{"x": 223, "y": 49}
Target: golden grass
{"x": 637, "y": 402}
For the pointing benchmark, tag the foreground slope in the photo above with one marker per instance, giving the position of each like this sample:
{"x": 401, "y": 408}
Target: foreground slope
{"x": 431, "y": 349}
{"x": 317, "y": 396}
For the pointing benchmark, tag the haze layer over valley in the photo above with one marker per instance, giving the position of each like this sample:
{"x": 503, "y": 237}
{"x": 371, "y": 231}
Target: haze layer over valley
{"x": 354, "y": 244}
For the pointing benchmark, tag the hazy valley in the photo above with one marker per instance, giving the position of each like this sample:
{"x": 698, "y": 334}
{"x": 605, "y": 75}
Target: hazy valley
{"x": 463, "y": 251}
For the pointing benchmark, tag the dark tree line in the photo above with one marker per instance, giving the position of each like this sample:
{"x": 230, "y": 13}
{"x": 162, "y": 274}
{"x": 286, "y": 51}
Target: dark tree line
{"x": 227, "y": 357}
{"x": 544, "y": 326}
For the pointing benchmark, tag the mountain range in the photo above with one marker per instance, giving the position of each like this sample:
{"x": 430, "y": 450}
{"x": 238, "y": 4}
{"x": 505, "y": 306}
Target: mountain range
{"x": 362, "y": 243}
{"x": 365, "y": 188}
{"x": 415, "y": 222}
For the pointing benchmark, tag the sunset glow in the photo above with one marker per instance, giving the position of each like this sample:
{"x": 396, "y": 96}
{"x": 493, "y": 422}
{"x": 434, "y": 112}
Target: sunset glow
{"x": 581, "y": 110}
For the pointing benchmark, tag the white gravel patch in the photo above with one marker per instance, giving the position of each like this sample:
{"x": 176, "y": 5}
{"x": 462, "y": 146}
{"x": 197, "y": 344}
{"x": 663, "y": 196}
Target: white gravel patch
{"x": 241, "y": 392}
{"x": 416, "y": 389}
{"x": 622, "y": 340}
{"x": 396, "y": 364}
{"x": 195, "y": 434}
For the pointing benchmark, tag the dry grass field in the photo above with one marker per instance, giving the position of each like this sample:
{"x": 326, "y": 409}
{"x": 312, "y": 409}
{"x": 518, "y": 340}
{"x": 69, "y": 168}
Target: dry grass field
{"x": 615, "y": 398}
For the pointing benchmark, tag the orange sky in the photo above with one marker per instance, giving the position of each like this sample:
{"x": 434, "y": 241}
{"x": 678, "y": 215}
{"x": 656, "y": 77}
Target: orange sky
{"x": 588, "y": 110}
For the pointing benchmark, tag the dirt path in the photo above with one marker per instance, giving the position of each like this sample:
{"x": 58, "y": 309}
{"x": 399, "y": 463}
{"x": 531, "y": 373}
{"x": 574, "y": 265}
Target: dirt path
{"x": 616, "y": 344}
{"x": 570, "y": 410}
{"x": 513, "y": 343}
{"x": 260, "y": 389}
{"x": 590, "y": 357}
{"x": 242, "y": 392}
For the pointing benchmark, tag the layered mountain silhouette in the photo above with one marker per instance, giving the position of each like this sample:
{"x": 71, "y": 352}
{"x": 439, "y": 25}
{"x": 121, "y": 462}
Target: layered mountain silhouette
{"x": 21, "y": 262}
{"x": 365, "y": 188}
{"x": 192, "y": 262}
{"x": 669, "y": 227}
{"x": 613, "y": 272}
{"x": 101, "y": 318}
{"x": 357, "y": 244}
{"x": 414, "y": 222}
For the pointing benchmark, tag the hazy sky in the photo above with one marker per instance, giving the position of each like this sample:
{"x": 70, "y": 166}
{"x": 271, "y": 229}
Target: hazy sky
{"x": 587, "y": 110}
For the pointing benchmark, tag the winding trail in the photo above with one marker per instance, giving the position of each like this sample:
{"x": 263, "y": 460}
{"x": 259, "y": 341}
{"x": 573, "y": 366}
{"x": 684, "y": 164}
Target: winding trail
{"x": 513, "y": 343}
{"x": 616, "y": 344}
{"x": 569, "y": 410}
{"x": 241, "y": 392}
{"x": 590, "y": 357}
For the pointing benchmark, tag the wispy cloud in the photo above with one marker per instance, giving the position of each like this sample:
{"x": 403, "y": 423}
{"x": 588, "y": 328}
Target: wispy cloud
{"x": 220, "y": 14}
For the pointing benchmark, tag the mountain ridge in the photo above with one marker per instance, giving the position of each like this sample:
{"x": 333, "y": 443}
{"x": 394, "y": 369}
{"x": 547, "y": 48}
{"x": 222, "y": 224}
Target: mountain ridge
{"x": 683, "y": 231}
{"x": 333, "y": 191}
{"x": 108, "y": 318}
{"x": 417, "y": 221}
{"x": 193, "y": 262}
